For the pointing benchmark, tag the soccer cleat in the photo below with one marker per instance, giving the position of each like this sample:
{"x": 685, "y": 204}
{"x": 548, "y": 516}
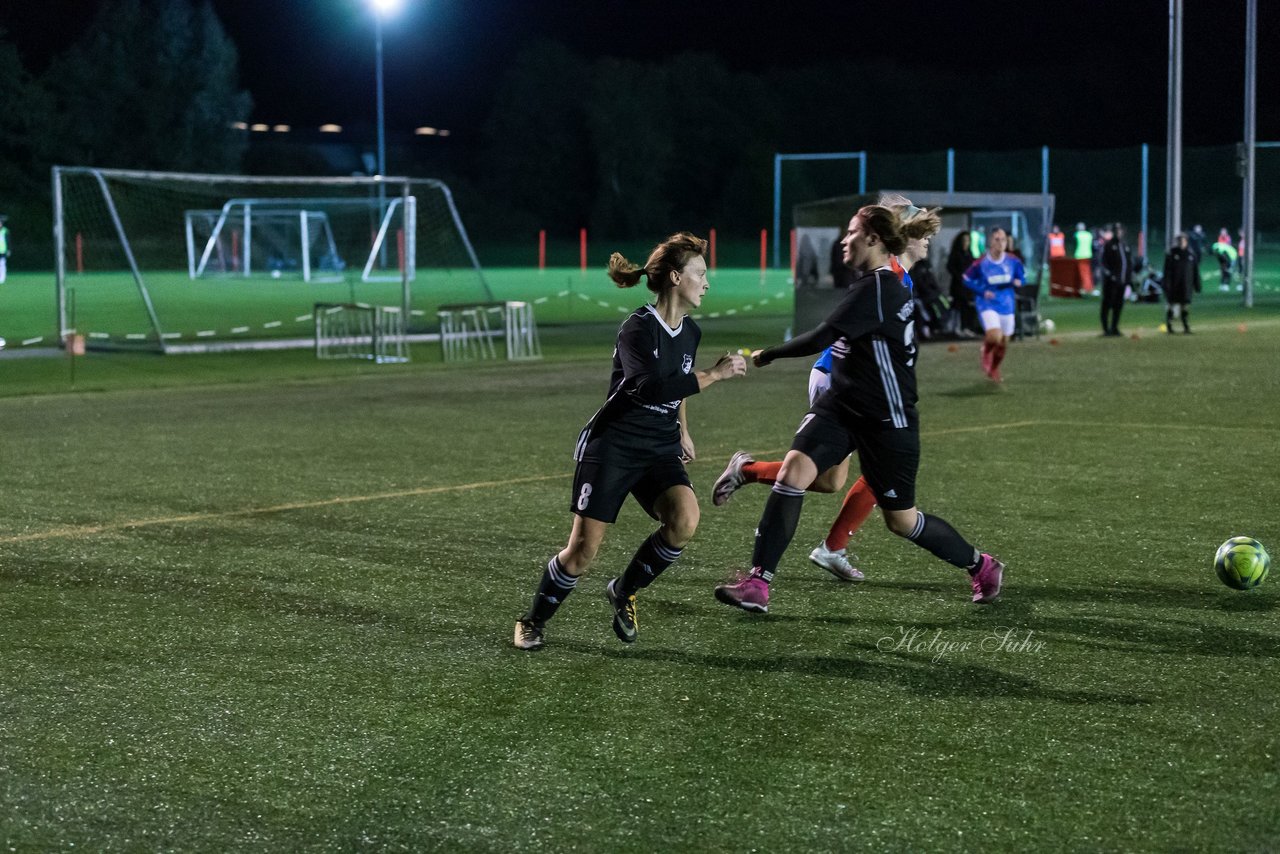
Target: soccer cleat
{"x": 749, "y": 593}
{"x": 732, "y": 479}
{"x": 986, "y": 581}
{"x": 528, "y": 635}
{"x": 836, "y": 563}
{"x": 624, "y": 613}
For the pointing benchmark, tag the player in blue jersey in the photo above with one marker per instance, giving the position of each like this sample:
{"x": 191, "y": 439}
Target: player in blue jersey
{"x": 638, "y": 441}
{"x": 832, "y": 554}
{"x": 870, "y": 409}
{"x": 995, "y": 278}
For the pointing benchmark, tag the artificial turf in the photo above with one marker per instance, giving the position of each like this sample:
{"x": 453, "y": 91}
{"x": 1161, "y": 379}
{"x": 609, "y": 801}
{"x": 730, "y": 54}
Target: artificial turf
{"x": 260, "y": 603}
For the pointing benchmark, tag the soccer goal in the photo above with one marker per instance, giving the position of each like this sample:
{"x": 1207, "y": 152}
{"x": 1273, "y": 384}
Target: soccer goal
{"x": 202, "y": 263}
{"x": 359, "y": 331}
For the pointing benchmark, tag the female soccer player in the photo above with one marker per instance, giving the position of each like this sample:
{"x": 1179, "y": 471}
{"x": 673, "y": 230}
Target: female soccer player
{"x": 919, "y": 225}
{"x": 637, "y": 442}
{"x": 870, "y": 409}
{"x": 994, "y": 277}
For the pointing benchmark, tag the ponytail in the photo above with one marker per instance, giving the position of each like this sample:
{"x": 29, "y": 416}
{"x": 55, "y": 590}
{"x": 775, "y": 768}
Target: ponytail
{"x": 667, "y": 257}
{"x": 623, "y": 272}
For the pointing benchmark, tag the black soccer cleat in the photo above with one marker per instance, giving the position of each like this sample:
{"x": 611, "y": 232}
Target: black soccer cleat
{"x": 624, "y": 613}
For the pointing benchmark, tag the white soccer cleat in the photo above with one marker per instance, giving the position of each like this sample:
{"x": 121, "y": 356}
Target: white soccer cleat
{"x": 732, "y": 479}
{"x": 836, "y": 563}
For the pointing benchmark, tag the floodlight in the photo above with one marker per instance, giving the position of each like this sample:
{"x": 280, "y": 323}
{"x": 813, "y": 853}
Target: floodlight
{"x": 385, "y": 8}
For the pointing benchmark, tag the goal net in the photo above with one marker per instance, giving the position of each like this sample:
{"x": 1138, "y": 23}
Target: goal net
{"x": 198, "y": 263}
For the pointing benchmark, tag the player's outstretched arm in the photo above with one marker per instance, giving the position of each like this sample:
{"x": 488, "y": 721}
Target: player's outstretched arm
{"x": 809, "y": 343}
{"x": 729, "y": 365}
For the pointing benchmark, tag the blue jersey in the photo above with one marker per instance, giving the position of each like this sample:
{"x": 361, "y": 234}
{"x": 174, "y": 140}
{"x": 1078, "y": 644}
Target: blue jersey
{"x": 998, "y": 277}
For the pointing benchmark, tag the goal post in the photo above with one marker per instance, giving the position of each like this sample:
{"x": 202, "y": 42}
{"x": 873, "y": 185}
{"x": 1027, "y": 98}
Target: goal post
{"x": 182, "y": 262}
{"x": 779, "y": 159}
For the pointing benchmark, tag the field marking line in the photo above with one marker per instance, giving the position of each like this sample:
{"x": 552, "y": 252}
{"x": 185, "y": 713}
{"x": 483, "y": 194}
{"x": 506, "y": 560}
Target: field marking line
{"x": 128, "y": 524}
{"x": 1208, "y": 428}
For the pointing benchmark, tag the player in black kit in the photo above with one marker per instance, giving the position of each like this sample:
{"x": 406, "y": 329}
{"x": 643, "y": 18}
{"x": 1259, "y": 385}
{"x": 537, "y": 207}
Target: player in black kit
{"x": 637, "y": 443}
{"x": 870, "y": 409}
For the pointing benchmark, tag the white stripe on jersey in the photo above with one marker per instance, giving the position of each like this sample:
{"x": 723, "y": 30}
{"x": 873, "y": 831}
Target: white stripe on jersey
{"x": 892, "y": 393}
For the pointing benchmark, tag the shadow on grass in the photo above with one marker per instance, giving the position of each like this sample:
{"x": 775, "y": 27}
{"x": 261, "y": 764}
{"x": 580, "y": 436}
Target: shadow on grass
{"x": 1115, "y": 632}
{"x": 915, "y": 673}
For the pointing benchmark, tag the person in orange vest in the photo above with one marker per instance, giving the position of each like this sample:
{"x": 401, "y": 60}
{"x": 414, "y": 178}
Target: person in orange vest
{"x": 1057, "y": 243}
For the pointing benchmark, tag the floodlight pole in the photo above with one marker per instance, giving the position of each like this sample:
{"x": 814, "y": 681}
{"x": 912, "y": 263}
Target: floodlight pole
{"x": 1173, "y": 172}
{"x": 1248, "y": 225}
{"x": 382, "y": 134}
{"x": 382, "y": 129}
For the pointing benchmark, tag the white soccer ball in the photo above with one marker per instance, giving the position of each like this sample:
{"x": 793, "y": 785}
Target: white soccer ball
{"x": 275, "y": 274}
{"x": 1047, "y": 325}
{"x": 2, "y": 343}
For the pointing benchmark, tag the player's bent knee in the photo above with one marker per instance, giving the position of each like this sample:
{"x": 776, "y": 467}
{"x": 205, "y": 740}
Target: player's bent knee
{"x": 678, "y": 529}
{"x": 831, "y": 480}
{"x": 578, "y": 556}
{"x": 900, "y": 522}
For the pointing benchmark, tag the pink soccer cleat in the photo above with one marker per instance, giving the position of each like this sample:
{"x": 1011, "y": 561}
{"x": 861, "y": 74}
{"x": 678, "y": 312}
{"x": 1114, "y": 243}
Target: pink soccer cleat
{"x": 986, "y": 581}
{"x": 749, "y": 593}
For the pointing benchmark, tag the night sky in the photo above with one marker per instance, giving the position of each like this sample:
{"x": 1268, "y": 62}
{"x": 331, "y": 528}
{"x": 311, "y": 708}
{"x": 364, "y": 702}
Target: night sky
{"x": 307, "y": 62}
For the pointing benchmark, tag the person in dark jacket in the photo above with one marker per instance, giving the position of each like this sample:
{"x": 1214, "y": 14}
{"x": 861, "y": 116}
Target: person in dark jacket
{"x": 962, "y": 299}
{"x": 1117, "y": 272}
{"x": 1181, "y": 277}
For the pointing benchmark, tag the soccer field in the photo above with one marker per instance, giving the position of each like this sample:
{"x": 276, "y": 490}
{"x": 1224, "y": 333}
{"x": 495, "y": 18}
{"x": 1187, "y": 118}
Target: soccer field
{"x": 267, "y": 605}
{"x": 108, "y": 310}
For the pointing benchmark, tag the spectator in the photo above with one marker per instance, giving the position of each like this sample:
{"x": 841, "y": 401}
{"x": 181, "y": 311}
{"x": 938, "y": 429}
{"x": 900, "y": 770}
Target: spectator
{"x": 841, "y": 275}
{"x": 1083, "y": 254}
{"x": 1117, "y": 272}
{"x": 1057, "y": 243}
{"x": 1226, "y": 255}
{"x": 931, "y": 304}
{"x": 1181, "y": 277}
{"x": 1100, "y": 237}
{"x": 962, "y": 299}
{"x": 1195, "y": 241}
{"x": 977, "y": 242}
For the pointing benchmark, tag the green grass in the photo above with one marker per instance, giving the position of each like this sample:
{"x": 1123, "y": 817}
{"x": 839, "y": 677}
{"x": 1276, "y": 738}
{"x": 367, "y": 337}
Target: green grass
{"x": 109, "y": 309}
{"x": 264, "y": 603}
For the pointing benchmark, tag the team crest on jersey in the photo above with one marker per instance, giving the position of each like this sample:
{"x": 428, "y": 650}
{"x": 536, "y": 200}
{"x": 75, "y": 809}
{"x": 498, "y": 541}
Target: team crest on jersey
{"x": 687, "y": 364}
{"x": 907, "y": 307}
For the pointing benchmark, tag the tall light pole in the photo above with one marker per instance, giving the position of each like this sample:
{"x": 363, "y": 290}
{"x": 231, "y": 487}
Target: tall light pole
{"x": 381, "y": 9}
{"x": 1173, "y": 152}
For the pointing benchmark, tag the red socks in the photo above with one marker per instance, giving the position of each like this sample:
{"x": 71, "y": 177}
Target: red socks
{"x": 761, "y": 472}
{"x": 997, "y": 355}
{"x": 858, "y": 504}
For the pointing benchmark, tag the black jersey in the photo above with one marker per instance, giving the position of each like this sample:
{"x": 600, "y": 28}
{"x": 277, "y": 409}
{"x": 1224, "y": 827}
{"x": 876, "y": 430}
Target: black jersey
{"x": 873, "y": 365}
{"x": 652, "y": 374}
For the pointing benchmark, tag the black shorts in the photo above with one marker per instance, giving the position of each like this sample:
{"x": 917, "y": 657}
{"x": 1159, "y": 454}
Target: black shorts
{"x": 889, "y": 457}
{"x": 611, "y": 469}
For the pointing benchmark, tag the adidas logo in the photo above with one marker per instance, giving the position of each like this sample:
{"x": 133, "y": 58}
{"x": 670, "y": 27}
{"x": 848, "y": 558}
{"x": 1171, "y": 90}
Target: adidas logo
{"x": 891, "y": 494}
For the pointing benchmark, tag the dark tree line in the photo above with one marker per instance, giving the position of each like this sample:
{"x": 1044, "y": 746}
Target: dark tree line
{"x": 152, "y": 85}
{"x": 623, "y": 147}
